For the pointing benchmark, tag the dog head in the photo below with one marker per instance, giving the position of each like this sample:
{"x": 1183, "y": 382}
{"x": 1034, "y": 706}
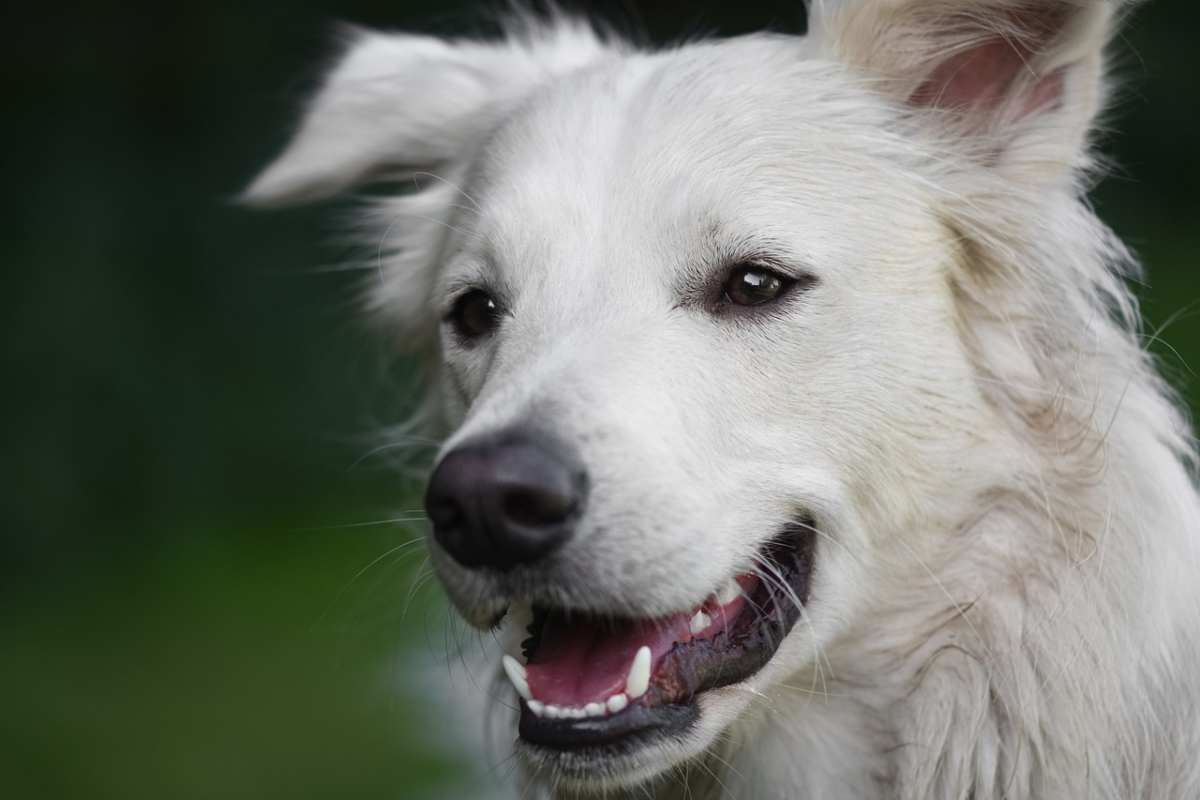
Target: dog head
{"x": 708, "y": 328}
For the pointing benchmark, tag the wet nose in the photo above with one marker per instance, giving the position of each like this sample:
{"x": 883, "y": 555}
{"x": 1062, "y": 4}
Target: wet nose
{"x": 504, "y": 501}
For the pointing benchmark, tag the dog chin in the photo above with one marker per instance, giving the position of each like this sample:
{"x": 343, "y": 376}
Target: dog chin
{"x": 637, "y": 762}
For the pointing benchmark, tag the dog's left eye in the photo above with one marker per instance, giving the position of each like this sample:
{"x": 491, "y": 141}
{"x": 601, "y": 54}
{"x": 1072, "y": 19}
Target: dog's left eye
{"x": 474, "y": 315}
{"x": 752, "y": 285}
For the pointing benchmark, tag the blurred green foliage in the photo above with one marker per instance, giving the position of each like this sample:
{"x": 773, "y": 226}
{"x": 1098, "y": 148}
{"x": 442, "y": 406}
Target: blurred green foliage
{"x": 191, "y": 607}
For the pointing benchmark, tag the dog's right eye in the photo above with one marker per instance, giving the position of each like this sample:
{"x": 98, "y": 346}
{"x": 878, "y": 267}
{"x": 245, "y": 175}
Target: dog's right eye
{"x": 752, "y": 285}
{"x": 474, "y": 315}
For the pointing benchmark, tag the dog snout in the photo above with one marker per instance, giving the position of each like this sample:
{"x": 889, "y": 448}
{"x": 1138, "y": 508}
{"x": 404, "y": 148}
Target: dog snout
{"x": 504, "y": 501}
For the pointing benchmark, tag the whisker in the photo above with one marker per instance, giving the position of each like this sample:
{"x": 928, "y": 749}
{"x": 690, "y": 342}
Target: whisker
{"x": 370, "y": 524}
{"x": 414, "y": 444}
{"x": 423, "y": 574}
{"x": 474, "y": 203}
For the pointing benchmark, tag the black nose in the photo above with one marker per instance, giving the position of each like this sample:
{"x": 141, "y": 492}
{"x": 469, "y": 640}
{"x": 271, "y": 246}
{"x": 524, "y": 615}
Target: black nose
{"x": 504, "y": 501}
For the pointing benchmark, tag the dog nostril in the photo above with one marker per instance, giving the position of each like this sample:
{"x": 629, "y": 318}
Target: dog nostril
{"x": 535, "y": 507}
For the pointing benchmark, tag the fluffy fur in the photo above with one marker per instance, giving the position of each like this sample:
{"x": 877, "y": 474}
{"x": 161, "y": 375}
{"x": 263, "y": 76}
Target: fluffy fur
{"x": 1007, "y": 593}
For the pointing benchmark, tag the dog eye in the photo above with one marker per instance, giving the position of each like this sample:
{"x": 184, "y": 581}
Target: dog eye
{"x": 474, "y": 315}
{"x": 752, "y": 285}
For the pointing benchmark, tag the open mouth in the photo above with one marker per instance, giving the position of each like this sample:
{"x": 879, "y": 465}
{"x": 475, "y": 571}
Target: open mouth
{"x": 593, "y": 682}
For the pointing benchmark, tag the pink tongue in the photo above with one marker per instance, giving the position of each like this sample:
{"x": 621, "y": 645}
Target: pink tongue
{"x": 579, "y": 662}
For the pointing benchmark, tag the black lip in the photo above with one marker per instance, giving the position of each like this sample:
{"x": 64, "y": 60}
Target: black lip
{"x": 669, "y": 708}
{"x": 631, "y": 728}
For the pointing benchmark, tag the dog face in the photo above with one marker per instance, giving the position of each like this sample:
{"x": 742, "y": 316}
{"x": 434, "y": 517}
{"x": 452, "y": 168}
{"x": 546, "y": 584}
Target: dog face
{"x": 699, "y": 327}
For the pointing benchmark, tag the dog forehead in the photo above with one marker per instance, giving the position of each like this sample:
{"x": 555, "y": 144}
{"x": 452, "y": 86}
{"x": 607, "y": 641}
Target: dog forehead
{"x": 661, "y": 144}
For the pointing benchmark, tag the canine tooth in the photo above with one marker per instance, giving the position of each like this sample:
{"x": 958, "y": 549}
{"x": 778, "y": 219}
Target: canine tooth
{"x": 537, "y": 707}
{"x": 699, "y": 622}
{"x": 639, "y": 674}
{"x": 729, "y": 592}
{"x": 616, "y": 703}
{"x": 520, "y": 617}
{"x": 516, "y": 674}
{"x": 594, "y": 709}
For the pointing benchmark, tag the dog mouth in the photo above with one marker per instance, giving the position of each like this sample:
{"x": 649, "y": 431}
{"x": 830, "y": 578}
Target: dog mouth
{"x": 599, "y": 684}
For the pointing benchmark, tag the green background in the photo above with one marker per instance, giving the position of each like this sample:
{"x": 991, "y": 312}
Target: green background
{"x": 195, "y": 600}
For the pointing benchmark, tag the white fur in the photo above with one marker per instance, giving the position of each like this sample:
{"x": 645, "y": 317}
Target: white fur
{"x": 1006, "y": 601}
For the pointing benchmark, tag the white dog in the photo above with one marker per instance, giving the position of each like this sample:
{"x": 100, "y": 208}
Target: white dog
{"x": 800, "y": 437}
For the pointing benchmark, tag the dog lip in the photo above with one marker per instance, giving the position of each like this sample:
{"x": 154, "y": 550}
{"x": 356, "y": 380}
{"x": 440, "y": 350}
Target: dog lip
{"x": 635, "y": 726}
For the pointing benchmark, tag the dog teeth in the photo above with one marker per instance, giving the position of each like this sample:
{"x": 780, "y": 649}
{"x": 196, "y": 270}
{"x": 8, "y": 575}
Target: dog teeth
{"x": 551, "y": 711}
{"x": 636, "y": 685}
{"x": 520, "y": 617}
{"x": 639, "y": 674}
{"x": 516, "y": 674}
{"x": 729, "y": 592}
{"x": 699, "y": 622}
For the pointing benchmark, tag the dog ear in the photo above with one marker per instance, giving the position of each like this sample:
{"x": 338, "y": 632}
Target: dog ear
{"x": 1011, "y": 80}
{"x": 395, "y": 105}
{"x": 399, "y": 106}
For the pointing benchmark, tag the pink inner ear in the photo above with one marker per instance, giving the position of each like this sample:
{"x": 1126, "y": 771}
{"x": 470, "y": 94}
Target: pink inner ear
{"x": 981, "y": 79}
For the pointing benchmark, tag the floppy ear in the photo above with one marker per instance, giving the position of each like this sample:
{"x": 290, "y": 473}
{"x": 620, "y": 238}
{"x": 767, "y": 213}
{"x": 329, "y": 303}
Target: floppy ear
{"x": 397, "y": 104}
{"x": 1014, "y": 82}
